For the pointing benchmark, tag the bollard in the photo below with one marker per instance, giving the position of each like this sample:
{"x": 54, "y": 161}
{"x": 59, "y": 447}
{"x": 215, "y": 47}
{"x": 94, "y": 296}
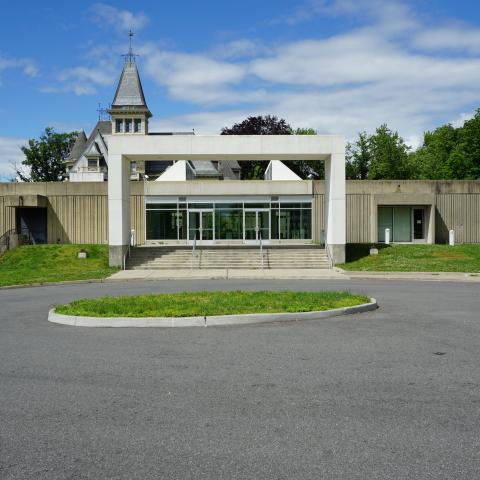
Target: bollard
{"x": 387, "y": 236}
{"x": 451, "y": 238}
{"x": 132, "y": 237}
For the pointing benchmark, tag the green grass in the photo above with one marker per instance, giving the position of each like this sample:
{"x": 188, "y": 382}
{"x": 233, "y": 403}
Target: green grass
{"x": 414, "y": 258}
{"x": 53, "y": 263}
{"x": 193, "y": 304}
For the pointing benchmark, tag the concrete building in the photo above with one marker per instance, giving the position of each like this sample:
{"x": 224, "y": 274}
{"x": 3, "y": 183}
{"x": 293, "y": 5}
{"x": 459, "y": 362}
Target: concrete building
{"x": 130, "y": 186}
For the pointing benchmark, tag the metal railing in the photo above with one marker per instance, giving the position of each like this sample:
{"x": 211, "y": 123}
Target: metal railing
{"x": 194, "y": 247}
{"x": 261, "y": 248}
{"x": 131, "y": 243}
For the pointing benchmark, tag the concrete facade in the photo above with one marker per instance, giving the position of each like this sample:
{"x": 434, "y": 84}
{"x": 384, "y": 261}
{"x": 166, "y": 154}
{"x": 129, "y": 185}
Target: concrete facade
{"x": 78, "y": 212}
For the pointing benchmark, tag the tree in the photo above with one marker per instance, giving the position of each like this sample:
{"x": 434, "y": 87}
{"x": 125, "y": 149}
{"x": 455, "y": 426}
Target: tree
{"x": 464, "y": 161}
{"x": 314, "y": 169}
{"x": 45, "y": 157}
{"x": 390, "y": 158}
{"x": 359, "y": 157}
{"x": 260, "y": 125}
{"x": 432, "y": 159}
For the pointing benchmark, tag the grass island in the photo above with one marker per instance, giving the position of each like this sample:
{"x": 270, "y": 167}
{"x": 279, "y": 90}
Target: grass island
{"x": 199, "y": 304}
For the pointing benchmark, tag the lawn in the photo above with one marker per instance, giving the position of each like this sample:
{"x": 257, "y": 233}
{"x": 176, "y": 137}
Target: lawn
{"x": 53, "y": 263}
{"x": 193, "y": 304}
{"x": 414, "y": 258}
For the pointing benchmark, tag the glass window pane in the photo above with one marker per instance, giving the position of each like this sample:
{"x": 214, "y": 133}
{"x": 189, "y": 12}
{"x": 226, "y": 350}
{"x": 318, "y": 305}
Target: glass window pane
{"x": 161, "y": 224}
{"x": 182, "y": 224}
{"x": 228, "y": 206}
{"x": 385, "y": 220}
{"x": 161, "y": 206}
{"x": 275, "y": 226}
{"x": 402, "y": 224}
{"x": 118, "y": 125}
{"x": 137, "y": 125}
{"x": 200, "y": 205}
{"x": 128, "y": 125}
{"x": 229, "y": 224}
{"x": 296, "y": 205}
{"x": 257, "y": 205}
{"x": 296, "y": 224}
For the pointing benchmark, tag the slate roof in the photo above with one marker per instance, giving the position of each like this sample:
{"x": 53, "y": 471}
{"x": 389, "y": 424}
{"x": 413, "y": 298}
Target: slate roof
{"x": 78, "y": 147}
{"x": 129, "y": 92}
{"x": 204, "y": 168}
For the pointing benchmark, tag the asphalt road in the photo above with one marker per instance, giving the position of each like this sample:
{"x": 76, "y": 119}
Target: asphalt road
{"x": 391, "y": 394}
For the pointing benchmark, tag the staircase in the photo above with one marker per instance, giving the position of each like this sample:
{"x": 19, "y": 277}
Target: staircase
{"x": 182, "y": 258}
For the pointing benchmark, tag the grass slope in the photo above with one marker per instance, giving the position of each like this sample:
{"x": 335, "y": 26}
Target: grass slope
{"x": 414, "y": 258}
{"x": 53, "y": 263}
{"x": 192, "y": 304}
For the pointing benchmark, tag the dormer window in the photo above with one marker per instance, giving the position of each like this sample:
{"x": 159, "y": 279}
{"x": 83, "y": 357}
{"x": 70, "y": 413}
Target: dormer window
{"x": 128, "y": 125}
{"x": 118, "y": 125}
{"x": 137, "y": 125}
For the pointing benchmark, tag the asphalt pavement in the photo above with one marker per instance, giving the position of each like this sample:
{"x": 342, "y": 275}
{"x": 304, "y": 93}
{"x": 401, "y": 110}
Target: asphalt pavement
{"x": 390, "y": 394}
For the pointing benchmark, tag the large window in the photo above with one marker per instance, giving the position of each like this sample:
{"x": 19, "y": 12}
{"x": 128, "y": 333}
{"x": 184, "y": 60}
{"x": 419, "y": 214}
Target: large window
{"x": 398, "y": 220}
{"x": 234, "y": 220}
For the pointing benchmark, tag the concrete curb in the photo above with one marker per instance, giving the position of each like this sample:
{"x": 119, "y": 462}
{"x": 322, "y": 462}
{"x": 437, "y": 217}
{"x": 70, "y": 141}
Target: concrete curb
{"x": 218, "y": 320}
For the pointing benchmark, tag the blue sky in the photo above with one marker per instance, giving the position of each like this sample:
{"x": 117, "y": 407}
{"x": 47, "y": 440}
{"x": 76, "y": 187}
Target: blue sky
{"x": 340, "y": 66}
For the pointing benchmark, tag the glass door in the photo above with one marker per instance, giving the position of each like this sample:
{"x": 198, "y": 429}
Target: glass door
{"x": 418, "y": 224}
{"x": 257, "y": 225}
{"x": 200, "y": 225}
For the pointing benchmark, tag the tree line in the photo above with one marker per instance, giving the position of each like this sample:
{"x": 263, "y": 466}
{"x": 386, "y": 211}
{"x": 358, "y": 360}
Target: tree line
{"x": 447, "y": 153}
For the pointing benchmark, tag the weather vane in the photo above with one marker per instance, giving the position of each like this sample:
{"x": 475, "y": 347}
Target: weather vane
{"x": 130, "y": 56}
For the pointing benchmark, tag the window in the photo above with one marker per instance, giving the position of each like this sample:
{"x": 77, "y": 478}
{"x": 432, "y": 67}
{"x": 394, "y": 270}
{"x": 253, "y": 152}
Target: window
{"x": 137, "y": 125}
{"x": 118, "y": 125}
{"x": 133, "y": 167}
{"x": 128, "y": 125}
{"x": 398, "y": 220}
{"x": 92, "y": 164}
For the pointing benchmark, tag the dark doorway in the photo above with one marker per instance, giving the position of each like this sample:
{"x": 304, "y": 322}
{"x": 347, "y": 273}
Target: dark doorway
{"x": 33, "y": 223}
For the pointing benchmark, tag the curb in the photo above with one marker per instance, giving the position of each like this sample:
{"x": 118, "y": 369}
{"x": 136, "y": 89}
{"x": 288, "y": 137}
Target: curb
{"x": 213, "y": 321}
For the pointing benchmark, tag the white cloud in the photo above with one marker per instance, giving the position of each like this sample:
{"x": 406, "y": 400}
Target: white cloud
{"x": 26, "y": 65}
{"x": 120, "y": 20}
{"x": 449, "y": 39}
{"x": 381, "y": 70}
{"x": 10, "y": 155}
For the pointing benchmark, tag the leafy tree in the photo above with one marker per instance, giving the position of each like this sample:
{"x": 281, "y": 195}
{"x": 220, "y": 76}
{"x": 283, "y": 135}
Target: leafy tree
{"x": 464, "y": 161}
{"x": 314, "y": 169}
{"x": 359, "y": 157}
{"x": 390, "y": 158}
{"x": 260, "y": 125}
{"x": 45, "y": 157}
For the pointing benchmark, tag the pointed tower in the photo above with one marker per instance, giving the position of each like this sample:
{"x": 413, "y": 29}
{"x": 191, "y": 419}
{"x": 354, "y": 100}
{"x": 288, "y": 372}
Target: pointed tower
{"x": 129, "y": 109}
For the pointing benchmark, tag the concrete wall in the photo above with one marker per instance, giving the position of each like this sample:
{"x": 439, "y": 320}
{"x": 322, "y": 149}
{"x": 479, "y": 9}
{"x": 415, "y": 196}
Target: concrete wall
{"x": 77, "y": 212}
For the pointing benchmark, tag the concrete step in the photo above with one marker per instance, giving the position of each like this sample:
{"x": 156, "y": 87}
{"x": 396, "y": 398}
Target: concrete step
{"x": 161, "y": 258}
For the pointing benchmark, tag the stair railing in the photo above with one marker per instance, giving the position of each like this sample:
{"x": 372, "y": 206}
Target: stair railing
{"x": 194, "y": 247}
{"x": 261, "y": 248}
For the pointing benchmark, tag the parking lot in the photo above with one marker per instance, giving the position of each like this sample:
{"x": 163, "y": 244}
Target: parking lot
{"x": 391, "y": 394}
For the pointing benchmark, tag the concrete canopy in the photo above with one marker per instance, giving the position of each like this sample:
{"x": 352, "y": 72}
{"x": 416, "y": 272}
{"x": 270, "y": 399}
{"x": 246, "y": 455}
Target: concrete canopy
{"x": 126, "y": 148}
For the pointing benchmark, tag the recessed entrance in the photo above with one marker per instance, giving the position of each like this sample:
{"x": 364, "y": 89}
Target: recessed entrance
{"x": 406, "y": 224}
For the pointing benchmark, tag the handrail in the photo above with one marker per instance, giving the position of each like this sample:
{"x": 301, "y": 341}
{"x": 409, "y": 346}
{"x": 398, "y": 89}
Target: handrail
{"x": 194, "y": 246}
{"x": 329, "y": 258}
{"x": 261, "y": 248}
{"x": 127, "y": 251}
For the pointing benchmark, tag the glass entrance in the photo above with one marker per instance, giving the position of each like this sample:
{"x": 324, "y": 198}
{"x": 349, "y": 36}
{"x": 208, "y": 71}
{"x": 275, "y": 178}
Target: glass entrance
{"x": 418, "y": 224}
{"x": 257, "y": 225}
{"x": 200, "y": 225}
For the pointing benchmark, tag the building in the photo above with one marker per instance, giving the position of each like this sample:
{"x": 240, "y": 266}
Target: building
{"x": 130, "y": 186}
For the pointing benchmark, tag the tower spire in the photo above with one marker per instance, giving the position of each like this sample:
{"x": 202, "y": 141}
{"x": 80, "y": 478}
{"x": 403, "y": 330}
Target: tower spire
{"x": 130, "y": 56}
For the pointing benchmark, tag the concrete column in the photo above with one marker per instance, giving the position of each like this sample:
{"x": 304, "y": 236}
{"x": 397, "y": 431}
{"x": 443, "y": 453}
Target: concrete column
{"x": 335, "y": 207}
{"x": 118, "y": 208}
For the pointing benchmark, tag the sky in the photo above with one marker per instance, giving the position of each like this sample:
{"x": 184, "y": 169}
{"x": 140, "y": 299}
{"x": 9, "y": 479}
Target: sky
{"x": 339, "y": 66}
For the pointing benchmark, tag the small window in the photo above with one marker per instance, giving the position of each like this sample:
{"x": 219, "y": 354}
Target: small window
{"x": 128, "y": 125}
{"x": 118, "y": 125}
{"x": 137, "y": 125}
{"x": 92, "y": 164}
